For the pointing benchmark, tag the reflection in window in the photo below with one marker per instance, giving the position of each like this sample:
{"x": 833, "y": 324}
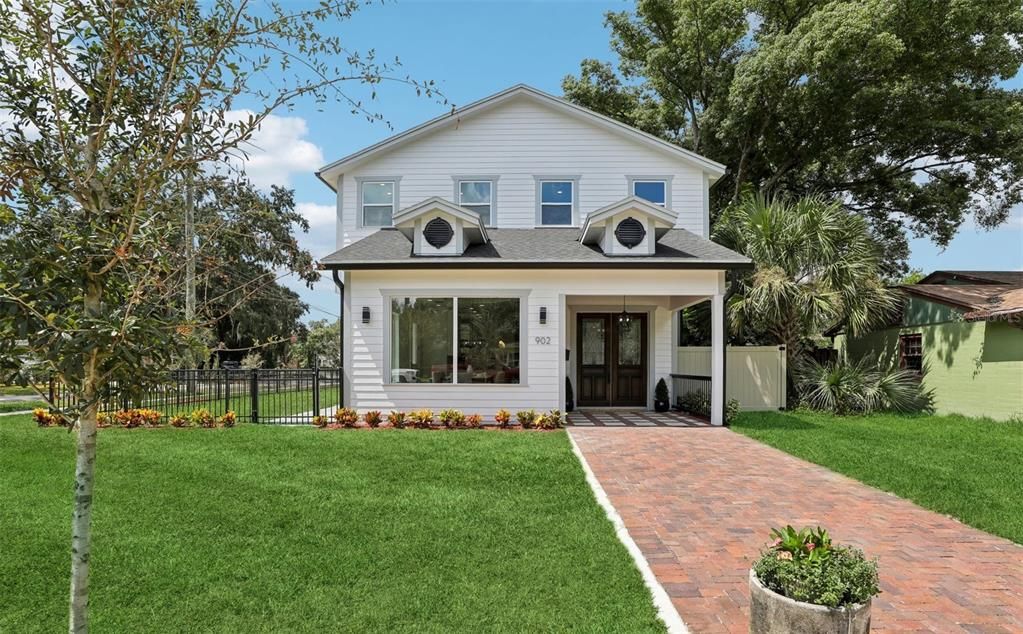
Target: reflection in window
{"x": 421, "y": 340}
{"x": 630, "y": 342}
{"x": 377, "y": 203}
{"x": 556, "y": 199}
{"x": 652, "y": 191}
{"x": 477, "y": 196}
{"x": 593, "y": 342}
{"x": 488, "y": 340}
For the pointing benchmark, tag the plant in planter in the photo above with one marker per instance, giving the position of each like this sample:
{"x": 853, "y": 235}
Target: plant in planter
{"x": 372, "y": 418}
{"x": 396, "y": 419}
{"x": 569, "y": 395}
{"x": 662, "y": 401}
{"x": 452, "y": 418}
{"x": 502, "y": 418}
{"x": 804, "y": 583}
{"x": 347, "y": 417}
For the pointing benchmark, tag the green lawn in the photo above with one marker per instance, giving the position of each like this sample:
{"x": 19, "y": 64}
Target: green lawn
{"x": 20, "y": 406}
{"x": 968, "y": 468}
{"x": 262, "y": 528}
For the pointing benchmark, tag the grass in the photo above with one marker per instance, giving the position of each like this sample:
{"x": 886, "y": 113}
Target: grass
{"x": 262, "y": 528}
{"x": 19, "y": 390}
{"x": 971, "y": 469}
{"x": 19, "y": 406}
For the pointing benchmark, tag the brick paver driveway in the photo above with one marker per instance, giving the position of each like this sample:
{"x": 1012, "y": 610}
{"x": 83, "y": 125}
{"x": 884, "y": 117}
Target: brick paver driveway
{"x": 699, "y": 503}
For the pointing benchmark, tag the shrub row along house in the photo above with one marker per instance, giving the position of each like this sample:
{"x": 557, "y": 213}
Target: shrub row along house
{"x": 963, "y": 331}
{"x": 489, "y": 254}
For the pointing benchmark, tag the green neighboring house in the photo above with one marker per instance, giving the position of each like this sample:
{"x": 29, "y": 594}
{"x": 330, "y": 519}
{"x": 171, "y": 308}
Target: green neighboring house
{"x": 963, "y": 330}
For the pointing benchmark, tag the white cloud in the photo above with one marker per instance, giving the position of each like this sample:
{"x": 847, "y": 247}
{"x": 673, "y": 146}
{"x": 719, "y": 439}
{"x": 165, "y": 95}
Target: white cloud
{"x": 319, "y": 216}
{"x": 320, "y": 240}
{"x": 277, "y": 150}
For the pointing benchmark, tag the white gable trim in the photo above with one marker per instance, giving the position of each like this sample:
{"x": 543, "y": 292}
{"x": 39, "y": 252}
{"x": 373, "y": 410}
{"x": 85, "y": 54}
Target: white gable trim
{"x": 329, "y": 173}
{"x": 409, "y": 221}
{"x": 593, "y": 227}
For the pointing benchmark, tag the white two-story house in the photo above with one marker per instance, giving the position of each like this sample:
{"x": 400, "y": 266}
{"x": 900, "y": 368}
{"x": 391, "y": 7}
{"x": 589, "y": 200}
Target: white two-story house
{"x": 489, "y": 254}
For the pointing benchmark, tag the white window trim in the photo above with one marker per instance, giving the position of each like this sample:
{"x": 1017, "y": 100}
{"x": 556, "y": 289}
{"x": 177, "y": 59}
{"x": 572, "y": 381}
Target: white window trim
{"x": 632, "y": 180}
{"x": 521, "y": 295}
{"x": 540, "y": 180}
{"x": 492, "y": 179}
{"x": 360, "y": 219}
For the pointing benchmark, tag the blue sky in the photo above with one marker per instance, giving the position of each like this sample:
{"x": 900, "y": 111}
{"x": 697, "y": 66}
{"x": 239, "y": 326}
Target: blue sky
{"x": 473, "y": 49}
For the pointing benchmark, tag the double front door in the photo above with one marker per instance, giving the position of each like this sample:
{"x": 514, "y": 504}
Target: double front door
{"x": 611, "y": 361}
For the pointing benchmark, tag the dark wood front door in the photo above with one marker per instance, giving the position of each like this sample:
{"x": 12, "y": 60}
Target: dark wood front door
{"x": 612, "y": 357}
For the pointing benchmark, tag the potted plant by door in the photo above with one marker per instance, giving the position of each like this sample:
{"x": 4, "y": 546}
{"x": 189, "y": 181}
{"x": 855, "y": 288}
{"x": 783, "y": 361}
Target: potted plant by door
{"x": 569, "y": 396}
{"x": 802, "y": 584}
{"x": 662, "y": 401}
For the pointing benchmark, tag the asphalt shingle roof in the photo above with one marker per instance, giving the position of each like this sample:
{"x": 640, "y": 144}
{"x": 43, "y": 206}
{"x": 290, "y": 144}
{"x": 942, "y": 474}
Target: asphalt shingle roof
{"x": 543, "y": 247}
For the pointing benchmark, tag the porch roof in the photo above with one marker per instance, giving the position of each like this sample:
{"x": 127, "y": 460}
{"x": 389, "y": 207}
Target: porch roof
{"x": 542, "y": 247}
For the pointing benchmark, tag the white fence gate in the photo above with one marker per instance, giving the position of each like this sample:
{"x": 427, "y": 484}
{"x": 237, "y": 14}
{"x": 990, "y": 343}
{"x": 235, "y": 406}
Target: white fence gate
{"x": 755, "y": 374}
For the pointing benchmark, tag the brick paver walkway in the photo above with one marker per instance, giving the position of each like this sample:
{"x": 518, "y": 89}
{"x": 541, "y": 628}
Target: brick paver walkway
{"x": 699, "y": 503}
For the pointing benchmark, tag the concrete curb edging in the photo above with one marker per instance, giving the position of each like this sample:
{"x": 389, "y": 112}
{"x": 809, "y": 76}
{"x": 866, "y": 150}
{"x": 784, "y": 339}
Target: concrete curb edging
{"x": 665, "y": 608}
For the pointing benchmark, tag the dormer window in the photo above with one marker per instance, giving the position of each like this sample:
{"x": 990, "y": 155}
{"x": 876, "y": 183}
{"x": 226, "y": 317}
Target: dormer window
{"x": 378, "y": 202}
{"x": 478, "y": 196}
{"x": 655, "y": 191}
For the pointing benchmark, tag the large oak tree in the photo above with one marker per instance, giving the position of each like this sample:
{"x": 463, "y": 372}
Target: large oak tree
{"x": 893, "y": 106}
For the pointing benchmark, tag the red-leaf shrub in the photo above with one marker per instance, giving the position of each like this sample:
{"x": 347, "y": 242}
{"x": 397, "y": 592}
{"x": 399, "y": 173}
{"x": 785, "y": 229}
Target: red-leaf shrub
{"x": 372, "y": 418}
{"x": 396, "y": 419}
{"x": 473, "y": 421}
{"x": 320, "y": 421}
{"x": 347, "y": 417}
{"x": 526, "y": 418}
{"x": 502, "y": 418}
{"x": 228, "y": 419}
{"x": 178, "y": 421}
{"x": 452, "y": 418}
{"x": 203, "y": 418}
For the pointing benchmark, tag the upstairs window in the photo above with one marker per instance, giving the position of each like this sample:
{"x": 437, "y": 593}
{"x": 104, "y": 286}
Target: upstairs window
{"x": 556, "y": 202}
{"x": 652, "y": 191}
{"x": 911, "y": 352}
{"x": 478, "y": 196}
{"x": 377, "y": 203}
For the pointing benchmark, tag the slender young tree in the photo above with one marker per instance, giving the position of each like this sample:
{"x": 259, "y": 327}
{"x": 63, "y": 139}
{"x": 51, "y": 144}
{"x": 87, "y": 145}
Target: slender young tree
{"x": 97, "y": 99}
{"x": 816, "y": 265}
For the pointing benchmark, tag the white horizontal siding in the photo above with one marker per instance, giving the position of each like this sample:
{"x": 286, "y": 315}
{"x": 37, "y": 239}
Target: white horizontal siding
{"x": 366, "y": 354}
{"x": 519, "y": 141}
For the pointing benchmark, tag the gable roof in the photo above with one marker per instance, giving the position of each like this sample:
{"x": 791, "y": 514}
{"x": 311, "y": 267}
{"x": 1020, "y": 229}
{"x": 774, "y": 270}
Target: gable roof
{"x": 434, "y": 203}
{"x": 975, "y": 277}
{"x": 664, "y": 217}
{"x": 539, "y": 248}
{"x": 329, "y": 172}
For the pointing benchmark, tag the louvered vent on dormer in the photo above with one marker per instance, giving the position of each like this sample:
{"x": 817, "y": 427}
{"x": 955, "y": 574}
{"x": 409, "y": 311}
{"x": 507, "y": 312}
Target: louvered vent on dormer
{"x": 438, "y": 233}
{"x": 630, "y": 232}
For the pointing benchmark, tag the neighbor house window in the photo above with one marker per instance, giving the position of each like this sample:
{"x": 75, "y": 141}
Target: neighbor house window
{"x": 652, "y": 191}
{"x": 911, "y": 352}
{"x": 455, "y": 340}
{"x": 556, "y": 202}
{"x": 478, "y": 196}
{"x": 377, "y": 203}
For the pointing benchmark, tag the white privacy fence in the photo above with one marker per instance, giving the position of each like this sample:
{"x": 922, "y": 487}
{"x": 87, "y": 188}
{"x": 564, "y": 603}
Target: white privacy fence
{"x": 755, "y": 374}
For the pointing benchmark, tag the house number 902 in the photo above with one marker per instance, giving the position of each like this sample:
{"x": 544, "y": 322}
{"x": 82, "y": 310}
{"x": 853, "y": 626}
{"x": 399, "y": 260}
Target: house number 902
{"x": 543, "y": 341}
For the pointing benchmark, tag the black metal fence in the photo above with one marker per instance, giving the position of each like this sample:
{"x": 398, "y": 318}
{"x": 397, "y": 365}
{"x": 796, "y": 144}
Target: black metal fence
{"x": 683, "y": 384}
{"x": 291, "y": 396}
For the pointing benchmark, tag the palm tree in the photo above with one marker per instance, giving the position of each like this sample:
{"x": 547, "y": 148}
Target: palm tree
{"x": 816, "y": 265}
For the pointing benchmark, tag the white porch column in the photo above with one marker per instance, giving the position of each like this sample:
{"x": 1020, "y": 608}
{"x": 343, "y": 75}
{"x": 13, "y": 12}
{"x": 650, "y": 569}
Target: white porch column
{"x": 717, "y": 359}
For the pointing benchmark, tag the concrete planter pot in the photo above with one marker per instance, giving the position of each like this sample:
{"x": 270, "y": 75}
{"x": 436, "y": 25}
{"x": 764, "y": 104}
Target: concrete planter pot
{"x": 772, "y": 613}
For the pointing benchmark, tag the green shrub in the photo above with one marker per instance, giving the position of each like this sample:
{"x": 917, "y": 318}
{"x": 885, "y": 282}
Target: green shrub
{"x": 452, "y": 418}
{"x": 346, "y": 417}
{"x": 805, "y": 566}
{"x": 502, "y": 418}
{"x": 526, "y": 418}
{"x": 862, "y": 387}
{"x": 421, "y": 419}
{"x": 396, "y": 419}
{"x": 732, "y": 409}
{"x": 661, "y": 391}
{"x": 695, "y": 402}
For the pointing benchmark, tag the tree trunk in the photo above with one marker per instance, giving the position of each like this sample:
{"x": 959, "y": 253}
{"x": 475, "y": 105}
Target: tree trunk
{"x": 85, "y": 462}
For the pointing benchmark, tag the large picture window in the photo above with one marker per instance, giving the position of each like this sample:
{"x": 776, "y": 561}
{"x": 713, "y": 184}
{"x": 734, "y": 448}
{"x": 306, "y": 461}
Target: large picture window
{"x": 488, "y": 340}
{"x": 455, "y": 340}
